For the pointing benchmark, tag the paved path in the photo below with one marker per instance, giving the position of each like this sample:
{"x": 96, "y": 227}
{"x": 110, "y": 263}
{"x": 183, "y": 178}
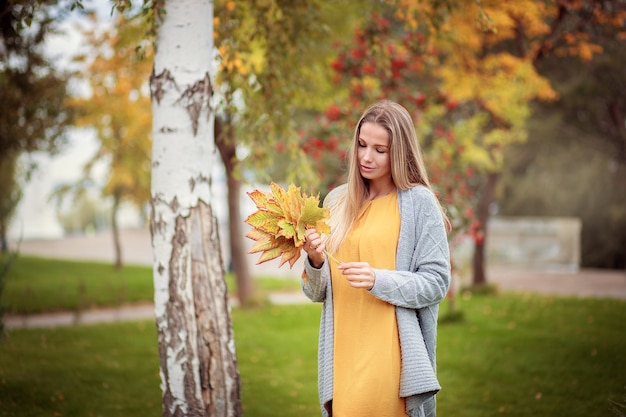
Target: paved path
{"x": 142, "y": 311}
{"x": 582, "y": 283}
{"x": 137, "y": 250}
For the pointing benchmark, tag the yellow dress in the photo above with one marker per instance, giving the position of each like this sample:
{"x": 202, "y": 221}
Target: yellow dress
{"x": 366, "y": 341}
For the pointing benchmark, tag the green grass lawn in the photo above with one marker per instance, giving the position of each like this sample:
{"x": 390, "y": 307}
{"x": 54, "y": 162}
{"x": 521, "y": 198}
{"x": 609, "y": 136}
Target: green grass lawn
{"x": 512, "y": 355}
{"x": 36, "y": 285}
{"x": 515, "y": 355}
{"x": 534, "y": 356}
{"x": 104, "y": 370}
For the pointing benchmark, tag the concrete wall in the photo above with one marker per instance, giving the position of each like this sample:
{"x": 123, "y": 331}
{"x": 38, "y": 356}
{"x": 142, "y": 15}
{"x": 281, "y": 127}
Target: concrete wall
{"x": 536, "y": 242}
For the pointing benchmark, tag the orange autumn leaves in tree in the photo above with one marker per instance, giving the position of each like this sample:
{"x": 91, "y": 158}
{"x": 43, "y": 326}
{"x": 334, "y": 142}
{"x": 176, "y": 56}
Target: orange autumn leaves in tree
{"x": 118, "y": 106}
{"x": 279, "y": 224}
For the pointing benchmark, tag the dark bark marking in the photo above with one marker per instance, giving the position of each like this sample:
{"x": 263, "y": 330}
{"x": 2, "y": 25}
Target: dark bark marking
{"x": 158, "y": 82}
{"x": 174, "y": 205}
{"x": 196, "y": 98}
{"x": 199, "y": 180}
{"x": 157, "y": 225}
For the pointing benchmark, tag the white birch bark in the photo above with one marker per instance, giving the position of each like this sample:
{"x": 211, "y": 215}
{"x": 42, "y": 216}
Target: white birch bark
{"x": 199, "y": 374}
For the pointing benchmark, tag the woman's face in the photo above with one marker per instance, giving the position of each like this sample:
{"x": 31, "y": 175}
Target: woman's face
{"x": 373, "y": 152}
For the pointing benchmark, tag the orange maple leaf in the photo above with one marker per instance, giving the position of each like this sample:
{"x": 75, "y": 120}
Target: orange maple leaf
{"x": 279, "y": 224}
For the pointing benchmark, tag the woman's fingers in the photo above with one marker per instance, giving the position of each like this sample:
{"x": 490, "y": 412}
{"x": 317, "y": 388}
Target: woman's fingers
{"x": 358, "y": 274}
{"x": 313, "y": 241}
{"x": 314, "y": 246}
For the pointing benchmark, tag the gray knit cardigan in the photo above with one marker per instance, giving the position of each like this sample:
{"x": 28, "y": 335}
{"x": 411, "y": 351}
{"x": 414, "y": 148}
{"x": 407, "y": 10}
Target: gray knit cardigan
{"x": 417, "y": 286}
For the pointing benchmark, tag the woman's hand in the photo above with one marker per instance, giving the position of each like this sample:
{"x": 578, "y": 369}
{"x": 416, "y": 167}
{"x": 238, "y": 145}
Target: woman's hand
{"x": 314, "y": 247}
{"x": 358, "y": 274}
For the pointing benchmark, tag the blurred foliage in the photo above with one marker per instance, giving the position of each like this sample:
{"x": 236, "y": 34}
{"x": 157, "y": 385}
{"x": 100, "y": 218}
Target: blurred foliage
{"x": 574, "y": 163}
{"x": 33, "y": 90}
{"x": 117, "y": 65}
{"x": 384, "y": 61}
{"x": 274, "y": 61}
{"x": 471, "y": 69}
{"x": 32, "y": 115}
{"x": 85, "y": 214}
{"x": 118, "y": 107}
{"x": 594, "y": 98}
{"x": 481, "y": 62}
{"x": 569, "y": 168}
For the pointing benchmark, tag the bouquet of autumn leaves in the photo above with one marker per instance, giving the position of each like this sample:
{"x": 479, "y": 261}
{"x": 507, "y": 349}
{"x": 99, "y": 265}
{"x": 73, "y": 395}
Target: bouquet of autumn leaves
{"x": 279, "y": 224}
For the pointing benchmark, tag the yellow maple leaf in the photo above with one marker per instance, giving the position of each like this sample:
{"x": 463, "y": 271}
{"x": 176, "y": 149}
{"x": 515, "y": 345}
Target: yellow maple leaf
{"x": 279, "y": 224}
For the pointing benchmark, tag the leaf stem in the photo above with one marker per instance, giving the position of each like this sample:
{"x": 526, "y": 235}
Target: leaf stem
{"x": 332, "y": 258}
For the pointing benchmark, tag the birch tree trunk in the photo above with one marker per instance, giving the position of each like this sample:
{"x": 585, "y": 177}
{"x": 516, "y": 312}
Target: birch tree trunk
{"x": 199, "y": 375}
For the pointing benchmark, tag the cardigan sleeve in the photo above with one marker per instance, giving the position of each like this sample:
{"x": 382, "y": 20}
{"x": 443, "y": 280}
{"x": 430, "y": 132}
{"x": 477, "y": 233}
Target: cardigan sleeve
{"x": 423, "y": 272}
{"x": 313, "y": 281}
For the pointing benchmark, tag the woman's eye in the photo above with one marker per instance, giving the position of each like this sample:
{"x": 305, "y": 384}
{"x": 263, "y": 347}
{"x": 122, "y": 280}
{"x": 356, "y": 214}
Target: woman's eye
{"x": 361, "y": 145}
{"x": 381, "y": 150}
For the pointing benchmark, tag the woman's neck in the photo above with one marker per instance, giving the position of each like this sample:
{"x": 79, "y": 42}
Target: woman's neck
{"x": 380, "y": 190}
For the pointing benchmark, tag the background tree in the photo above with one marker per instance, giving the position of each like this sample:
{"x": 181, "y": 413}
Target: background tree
{"x": 32, "y": 115}
{"x": 496, "y": 87}
{"x": 117, "y": 107}
{"x": 576, "y": 150}
{"x": 196, "y": 346}
{"x": 487, "y": 73}
{"x": 384, "y": 60}
{"x": 592, "y": 92}
{"x": 10, "y": 195}
{"x": 583, "y": 58}
{"x": 403, "y": 62}
{"x": 265, "y": 75}
{"x": 493, "y": 67}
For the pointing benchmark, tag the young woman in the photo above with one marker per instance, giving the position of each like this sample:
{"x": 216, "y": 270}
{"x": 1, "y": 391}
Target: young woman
{"x": 389, "y": 270}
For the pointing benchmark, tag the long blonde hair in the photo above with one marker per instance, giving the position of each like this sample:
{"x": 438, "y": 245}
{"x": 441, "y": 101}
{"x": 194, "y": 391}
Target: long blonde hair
{"x": 407, "y": 167}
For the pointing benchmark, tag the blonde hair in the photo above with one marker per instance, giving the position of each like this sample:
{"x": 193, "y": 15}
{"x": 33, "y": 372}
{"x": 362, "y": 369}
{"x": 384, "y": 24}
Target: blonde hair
{"x": 407, "y": 167}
